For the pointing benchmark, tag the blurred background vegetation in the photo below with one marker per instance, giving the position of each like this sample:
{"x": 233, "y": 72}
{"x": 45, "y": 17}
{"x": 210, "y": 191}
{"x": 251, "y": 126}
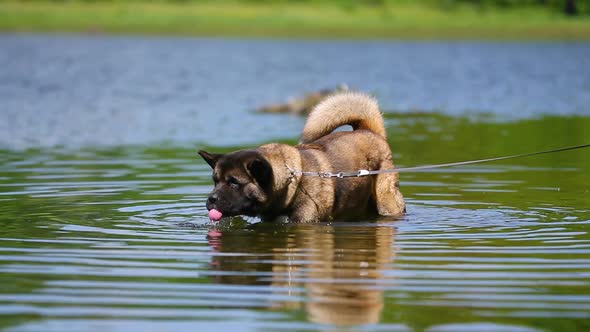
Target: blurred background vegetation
{"x": 432, "y": 19}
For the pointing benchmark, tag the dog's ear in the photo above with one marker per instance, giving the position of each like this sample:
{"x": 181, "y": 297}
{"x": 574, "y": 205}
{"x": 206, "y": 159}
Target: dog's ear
{"x": 210, "y": 158}
{"x": 261, "y": 171}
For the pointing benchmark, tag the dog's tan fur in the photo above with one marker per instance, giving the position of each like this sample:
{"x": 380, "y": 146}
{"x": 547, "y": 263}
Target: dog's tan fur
{"x": 310, "y": 199}
{"x": 355, "y": 109}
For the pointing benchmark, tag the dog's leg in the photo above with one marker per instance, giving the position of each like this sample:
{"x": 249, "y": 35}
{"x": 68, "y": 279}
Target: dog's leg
{"x": 388, "y": 197}
{"x": 306, "y": 210}
{"x": 305, "y": 213}
{"x": 313, "y": 201}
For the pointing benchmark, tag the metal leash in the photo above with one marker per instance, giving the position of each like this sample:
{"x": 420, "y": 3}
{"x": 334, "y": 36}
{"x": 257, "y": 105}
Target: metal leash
{"x": 364, "y": 172}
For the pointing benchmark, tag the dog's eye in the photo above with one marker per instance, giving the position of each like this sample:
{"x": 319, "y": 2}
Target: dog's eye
{"x": 233, "y": 182}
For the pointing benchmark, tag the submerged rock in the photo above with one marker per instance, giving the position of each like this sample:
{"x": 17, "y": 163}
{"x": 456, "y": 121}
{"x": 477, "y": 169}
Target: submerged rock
{"x": 302, "y": 105}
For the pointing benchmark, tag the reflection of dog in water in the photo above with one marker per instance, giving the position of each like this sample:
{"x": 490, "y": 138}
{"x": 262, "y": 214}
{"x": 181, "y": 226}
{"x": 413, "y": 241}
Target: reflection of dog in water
{"x": 339, "y": 268}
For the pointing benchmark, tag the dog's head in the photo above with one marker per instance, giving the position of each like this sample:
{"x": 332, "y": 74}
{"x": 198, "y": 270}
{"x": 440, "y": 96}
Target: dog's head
{"x": 243, "y": 182}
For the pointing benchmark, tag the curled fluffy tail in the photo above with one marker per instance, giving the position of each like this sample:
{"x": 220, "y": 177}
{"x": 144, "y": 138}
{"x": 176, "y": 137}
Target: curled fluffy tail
{"x": 349, "y": 108}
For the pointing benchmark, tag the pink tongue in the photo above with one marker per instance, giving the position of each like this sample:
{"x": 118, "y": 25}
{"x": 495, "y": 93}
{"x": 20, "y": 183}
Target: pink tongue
{"x": 215, "y": 215}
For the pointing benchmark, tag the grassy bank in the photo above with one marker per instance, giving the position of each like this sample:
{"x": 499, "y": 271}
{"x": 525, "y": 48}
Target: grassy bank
{"x": 292, "y": 19}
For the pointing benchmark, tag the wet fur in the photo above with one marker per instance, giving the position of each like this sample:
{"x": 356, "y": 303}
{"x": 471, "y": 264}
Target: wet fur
{"x": 266, "y": 188}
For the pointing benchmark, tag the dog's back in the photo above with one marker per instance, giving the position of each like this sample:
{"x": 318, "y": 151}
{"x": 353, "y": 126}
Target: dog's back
{"x": 349, "y": 108}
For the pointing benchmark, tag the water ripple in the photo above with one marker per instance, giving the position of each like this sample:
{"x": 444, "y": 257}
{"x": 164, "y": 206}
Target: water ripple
{"x": 127, "y": 244}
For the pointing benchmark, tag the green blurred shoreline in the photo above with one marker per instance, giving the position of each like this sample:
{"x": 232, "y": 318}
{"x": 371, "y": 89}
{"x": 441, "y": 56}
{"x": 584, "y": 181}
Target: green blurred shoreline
{"x": 406, "y": 20}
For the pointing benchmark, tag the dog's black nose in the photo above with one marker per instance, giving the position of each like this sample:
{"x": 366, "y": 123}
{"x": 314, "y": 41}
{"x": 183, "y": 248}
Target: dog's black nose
{"x": 212, "y": 199}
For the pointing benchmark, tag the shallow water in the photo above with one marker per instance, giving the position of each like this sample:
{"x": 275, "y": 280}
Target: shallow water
{"x": 107, "y": 235}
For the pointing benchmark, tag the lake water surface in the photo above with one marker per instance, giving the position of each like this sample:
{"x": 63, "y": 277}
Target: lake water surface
{"x": 102, "y": 197}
